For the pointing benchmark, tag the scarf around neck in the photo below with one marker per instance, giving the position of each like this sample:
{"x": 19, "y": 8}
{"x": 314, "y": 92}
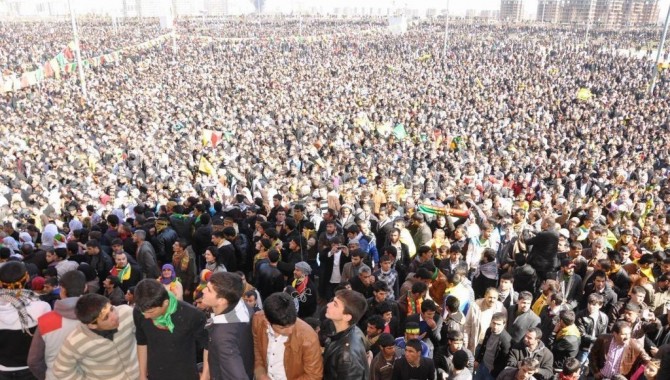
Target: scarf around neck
{"x": 164, "y": 322}
{"x": 413, "y": 306}
{"x": 300, "y": 285}
{"x": 122, "y": 273}
{"x": 181, "y": 260}
{"x": 19, "y": 299}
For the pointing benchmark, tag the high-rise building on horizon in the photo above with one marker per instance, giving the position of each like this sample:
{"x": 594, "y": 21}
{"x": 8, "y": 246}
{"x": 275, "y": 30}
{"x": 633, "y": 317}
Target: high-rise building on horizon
{"x": 549, "y": 10}
{"x": 603, "y": 13}
{"x": 511, "y": 10}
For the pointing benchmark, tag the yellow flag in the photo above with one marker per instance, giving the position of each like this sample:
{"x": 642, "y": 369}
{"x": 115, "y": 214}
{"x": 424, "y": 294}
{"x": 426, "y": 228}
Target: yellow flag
{"x": 584, "y": 94}
{"x": 424, "y": 57}
{"x": 205, "y": 166}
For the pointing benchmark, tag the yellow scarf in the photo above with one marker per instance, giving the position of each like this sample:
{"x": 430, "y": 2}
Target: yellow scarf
{"x": 648, "y": 274}
{"x": 539, "y": 304}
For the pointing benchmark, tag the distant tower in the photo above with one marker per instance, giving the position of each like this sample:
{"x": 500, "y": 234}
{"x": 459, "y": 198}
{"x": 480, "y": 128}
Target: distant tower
{"x": 511, "y": 10}
{"x": 548, "y": 11}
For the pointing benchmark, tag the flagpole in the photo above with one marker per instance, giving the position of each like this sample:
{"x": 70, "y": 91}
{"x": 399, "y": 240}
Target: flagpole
{"x": 77, "y": 52}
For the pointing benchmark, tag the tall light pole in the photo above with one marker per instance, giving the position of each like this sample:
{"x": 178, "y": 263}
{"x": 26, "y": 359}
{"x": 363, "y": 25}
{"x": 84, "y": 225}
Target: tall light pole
{"x": 446, "y": 32}
{"x": 658, "y": 55}
{"x": 77, "y": 52}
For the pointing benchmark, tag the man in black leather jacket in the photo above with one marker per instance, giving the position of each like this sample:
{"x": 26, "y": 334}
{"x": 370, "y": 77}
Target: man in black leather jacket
{"x": 345, "y": 356}
{"x": 591, "y": 323}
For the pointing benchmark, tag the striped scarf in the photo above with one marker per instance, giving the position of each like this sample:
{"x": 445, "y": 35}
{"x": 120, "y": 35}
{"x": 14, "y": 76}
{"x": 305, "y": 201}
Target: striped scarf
{"x": 19, "y": 299}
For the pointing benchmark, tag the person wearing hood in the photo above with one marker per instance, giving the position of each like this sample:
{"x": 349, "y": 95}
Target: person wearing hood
{"x": 532, "y": 347}
{"x": 50, "y": 231}
{"x": 26, "y": 239}
{"x": 54, "y": 326}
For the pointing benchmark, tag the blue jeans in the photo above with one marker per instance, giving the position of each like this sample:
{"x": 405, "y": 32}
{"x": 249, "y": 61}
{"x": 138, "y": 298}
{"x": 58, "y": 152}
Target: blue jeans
{"x": 583, "y": 357}
{"x": 483, "y": 373}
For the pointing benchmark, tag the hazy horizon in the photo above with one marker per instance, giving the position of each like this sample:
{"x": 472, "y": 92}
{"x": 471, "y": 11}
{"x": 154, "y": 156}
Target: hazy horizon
{"x": 457, "y": 8}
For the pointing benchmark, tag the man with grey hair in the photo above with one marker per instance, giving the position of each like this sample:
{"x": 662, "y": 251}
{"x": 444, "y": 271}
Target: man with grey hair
{"x": 306, "y": 289}
{"x": 363, "y": 282}
{"x": 146, "y": 255}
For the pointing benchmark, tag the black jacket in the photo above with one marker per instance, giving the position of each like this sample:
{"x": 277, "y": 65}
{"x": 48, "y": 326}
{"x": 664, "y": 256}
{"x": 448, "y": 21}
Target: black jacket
{"x": 502, "y": 352}
{"x": 183, "y": 226}
{"x": 589, "y": 330}
{"x": 609, "y": 298}
{"x": 544, "y": 255}
{"x": 344, "y": 357}
{"x": 269, "y": 280}
{"x": 307, "y": 300}
{"x": 326, "y": 268}
{"x": 621, "y": 283}
{"x": 564, "y": 347}
{"x": 571, "y": 288}
{"x": 202, "y": 238}
{"x": 231, "y": 348}
{"x": 227, "y": 256}
{"x": 287, "y": 263}
{"x": 163, "y": 243}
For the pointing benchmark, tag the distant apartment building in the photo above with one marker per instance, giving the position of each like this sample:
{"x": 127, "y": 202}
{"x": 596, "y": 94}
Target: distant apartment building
{"x": 549, "y": 11}
{"x": 640, "y": 12}
{"x": 605, "y": 13}
{"x": 511, "y": 10}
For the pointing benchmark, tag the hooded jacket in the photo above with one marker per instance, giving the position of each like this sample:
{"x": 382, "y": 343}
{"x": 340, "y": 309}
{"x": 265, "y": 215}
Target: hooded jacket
{"x": 52, "y": 329}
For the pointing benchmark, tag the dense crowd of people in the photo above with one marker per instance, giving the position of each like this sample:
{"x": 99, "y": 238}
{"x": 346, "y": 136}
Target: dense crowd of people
{"x": 417, "y": 216}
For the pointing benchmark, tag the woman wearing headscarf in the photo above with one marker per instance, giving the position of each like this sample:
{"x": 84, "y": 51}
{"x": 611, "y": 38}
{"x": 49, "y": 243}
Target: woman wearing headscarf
{"x": 170, "y": 282}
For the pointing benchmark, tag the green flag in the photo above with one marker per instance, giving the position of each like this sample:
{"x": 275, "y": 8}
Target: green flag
{"x": 399, "y": 131}
{"x": 61, "y": 59}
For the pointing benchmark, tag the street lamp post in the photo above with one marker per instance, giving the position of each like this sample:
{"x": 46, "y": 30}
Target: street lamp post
{"x": 77, "y": 52}
{"x": 446, "y": 32}
{"x": 658, "y": 55}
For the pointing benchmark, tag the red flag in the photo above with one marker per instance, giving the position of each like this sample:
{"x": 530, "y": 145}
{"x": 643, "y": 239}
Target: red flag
{"x": 24, "y": 80}
{"x": 48, "y": 70}
{"x": 68, "y": 54}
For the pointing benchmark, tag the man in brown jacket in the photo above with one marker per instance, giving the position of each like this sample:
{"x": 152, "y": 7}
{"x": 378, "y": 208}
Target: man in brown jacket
{"x": 284, "y": 346}
{"x": 616, "y": 353}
